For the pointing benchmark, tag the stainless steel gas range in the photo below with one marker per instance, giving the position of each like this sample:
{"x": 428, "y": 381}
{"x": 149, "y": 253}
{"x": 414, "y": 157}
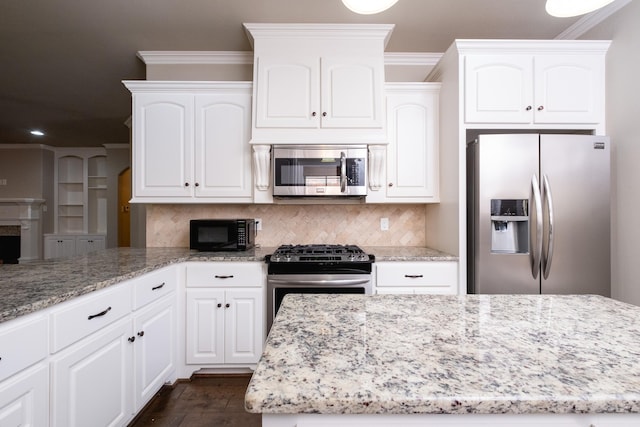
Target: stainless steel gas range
{"x": 313, "y": 269}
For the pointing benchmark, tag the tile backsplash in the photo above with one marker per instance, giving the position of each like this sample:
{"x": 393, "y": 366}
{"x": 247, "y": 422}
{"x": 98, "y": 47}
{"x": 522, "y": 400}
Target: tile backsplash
{"x": 168, "y": 225}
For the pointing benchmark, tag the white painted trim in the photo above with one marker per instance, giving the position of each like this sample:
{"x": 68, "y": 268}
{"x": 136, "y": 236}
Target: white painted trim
{"x": 138, "y": 86}
{"x": 195, "y": 57}
{"x": 563, "y": 47}
{"x": 27, "y": 145}
{"x": 411, "y": 58}
{"x": 590, "y": 20}
{"x": 325, "y": 31}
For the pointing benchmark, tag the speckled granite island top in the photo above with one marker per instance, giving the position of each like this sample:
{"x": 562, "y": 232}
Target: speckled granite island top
{"x": 427, "y": 354}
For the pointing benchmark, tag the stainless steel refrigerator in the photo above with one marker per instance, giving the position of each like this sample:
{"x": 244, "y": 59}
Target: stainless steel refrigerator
{"x": 538, "y": 214}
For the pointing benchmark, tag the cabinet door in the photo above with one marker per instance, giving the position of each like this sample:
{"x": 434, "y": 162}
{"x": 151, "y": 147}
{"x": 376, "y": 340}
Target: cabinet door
{"x": 59, "y": 247}
{"x": 162, "y": 145}
{"x": 287, "y": 92}
{"x": 568, "y": 88}
{"x": 222, "y": 150}
{"x": 352, "y": 92}
{"x": 154, "y": 348}
{"x": 412, "y": 156}
{"x": 86, "y": 244}
{"x": 244, "y": 325}
{"x": 92, "y": 381}
{"x": 498, "y": 88}
{"x": 205, "y": 326}
{"x": 24, "y": 398}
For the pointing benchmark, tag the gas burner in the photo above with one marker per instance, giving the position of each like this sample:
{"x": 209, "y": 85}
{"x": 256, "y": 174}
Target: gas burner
{"x": 319, "y": 253}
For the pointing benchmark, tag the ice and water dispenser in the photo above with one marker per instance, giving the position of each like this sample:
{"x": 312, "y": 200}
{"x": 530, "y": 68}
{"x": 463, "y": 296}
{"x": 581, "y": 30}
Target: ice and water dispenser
{"x": 509, "y": 226}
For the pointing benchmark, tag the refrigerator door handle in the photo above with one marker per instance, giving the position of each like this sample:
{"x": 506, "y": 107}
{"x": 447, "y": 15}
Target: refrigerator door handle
{"x": 548, "y": 200}
{"x": 535, "y": 252}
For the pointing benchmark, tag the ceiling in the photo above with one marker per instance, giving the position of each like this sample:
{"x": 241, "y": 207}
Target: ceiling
{"x": 63, "y": 61}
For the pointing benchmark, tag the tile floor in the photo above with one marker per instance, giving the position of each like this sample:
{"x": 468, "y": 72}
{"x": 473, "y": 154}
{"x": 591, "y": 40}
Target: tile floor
{"x": 212, "y": 401}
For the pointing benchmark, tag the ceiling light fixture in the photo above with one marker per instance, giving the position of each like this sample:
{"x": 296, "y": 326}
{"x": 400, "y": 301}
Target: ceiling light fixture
{"x": 567, "y": 8}
{"x": 368, "y": 7}
{"x": 36, "y": 132}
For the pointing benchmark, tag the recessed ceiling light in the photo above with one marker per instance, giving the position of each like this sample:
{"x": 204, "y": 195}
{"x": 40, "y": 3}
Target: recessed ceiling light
{"x": 368, "y": 7}
{"x": 567, "y": 8}
{"x": 36, "y": 132}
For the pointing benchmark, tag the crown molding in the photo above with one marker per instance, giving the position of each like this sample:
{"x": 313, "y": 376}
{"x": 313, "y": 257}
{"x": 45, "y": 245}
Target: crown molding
{"x": 411, "y": 58}
{"x": 195, "y": 57}
{"x": 590, "y": 20}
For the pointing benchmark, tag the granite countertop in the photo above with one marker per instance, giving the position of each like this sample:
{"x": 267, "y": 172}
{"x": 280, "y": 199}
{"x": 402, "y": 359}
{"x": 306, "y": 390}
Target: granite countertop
{"x": 35, "y": 285}
{"x": 408, "y": 253}
{"x": 482, "y": 354}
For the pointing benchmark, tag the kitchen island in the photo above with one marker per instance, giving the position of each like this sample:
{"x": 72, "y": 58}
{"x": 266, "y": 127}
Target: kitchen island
{"x": 450, "y": 360}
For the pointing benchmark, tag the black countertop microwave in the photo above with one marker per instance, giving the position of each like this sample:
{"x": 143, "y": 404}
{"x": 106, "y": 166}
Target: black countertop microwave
{"x": 222, "y": 234}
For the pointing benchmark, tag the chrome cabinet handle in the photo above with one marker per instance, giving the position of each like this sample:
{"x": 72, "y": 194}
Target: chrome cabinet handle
{"x": 102, "y": 313}
{"x": 537, "y": 251}
{"x": 548, "y": 200}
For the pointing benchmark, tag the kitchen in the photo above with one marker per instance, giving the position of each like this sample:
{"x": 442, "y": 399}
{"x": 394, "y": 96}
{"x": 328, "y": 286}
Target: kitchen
{"x": 432, "y": 212}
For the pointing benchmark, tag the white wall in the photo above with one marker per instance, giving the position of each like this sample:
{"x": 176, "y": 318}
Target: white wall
{"x": 623, "y": 115}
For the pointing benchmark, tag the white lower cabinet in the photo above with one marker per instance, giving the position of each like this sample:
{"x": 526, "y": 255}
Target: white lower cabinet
{"x": 224, "y": 313}
{"x": 424, "y": 277}
{"x": 24, "y": 398}
{"x": 224, "y": 326}
{"x": 92, "y": 382}
{"x": 154, "y": 348}
{"x": 69, "y": 245}
{"x": 113, "y": 350}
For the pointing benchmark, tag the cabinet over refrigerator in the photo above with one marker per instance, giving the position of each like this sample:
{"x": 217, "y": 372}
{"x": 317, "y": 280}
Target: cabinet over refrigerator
{"x": 538, "y": 217}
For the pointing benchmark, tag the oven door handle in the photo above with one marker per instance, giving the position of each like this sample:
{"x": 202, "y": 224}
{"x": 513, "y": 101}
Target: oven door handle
{"x": 334, "y": 282}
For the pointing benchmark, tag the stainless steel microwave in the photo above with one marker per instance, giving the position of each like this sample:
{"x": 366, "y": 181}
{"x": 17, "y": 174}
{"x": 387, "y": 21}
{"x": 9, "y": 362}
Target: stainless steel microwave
{"x": 319, "y": 170}
{"x": 222, "y": 234}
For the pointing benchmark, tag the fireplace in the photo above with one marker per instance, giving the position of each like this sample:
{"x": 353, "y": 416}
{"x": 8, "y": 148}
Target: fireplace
{"x": 9, "y": 244}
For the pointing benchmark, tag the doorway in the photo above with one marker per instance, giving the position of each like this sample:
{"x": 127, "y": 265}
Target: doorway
{"x": 124, "y": 211}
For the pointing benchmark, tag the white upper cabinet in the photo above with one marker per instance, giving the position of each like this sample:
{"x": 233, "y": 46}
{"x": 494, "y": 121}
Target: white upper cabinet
{"x": 524, "y": 82}
{"x": 318, "y": 83}
{"x": 406, "y": 170}
{"x": 191, "y": 142}
{"x": 313, "y": 92}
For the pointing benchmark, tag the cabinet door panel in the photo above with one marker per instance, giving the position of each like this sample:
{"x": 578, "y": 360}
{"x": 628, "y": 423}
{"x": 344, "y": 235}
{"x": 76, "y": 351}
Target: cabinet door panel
{"x": 568, "y": 88}
{"x": 92, "y": 382}
{"x": 498, "y": 88}
{"x": 243, "y": 319}
{"x": 163, "y": 140}
{"x": 154, "y": 329}
{"x": 205, "y": 326}
{"x": 223, "y": 154}
{"x": 352, "y": 92}
{"x": 24, "y": 399}
{"x": 287, "y": 92}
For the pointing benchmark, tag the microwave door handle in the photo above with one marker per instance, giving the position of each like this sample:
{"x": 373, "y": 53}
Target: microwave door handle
{"x": 343, "y": 172}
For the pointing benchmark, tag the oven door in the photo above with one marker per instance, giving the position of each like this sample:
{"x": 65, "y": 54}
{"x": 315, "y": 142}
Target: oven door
{"x": 279, "y": 285}
{"x": 319, "y": 171}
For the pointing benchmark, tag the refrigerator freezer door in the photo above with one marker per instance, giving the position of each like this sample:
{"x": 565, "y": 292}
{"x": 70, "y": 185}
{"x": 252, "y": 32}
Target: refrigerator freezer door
{"x": 504, "y": 167}
{"x": 578, "y": 173}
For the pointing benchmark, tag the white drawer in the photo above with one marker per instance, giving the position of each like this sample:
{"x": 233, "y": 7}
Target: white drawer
{"x": 152, "y": 286}
{"x": 434, "y": 274}
{"x": 81, "y": 317}
{"x": 224, "y": 274}
{"x": 23, "y": 342}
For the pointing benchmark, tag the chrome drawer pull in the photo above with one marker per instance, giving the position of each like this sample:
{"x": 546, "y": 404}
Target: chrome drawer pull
{"x": 223, "y": 277}
{"x": 413, "y": 276}
{"x": 158, "y": 287}
{"x": 102, "y": 313}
